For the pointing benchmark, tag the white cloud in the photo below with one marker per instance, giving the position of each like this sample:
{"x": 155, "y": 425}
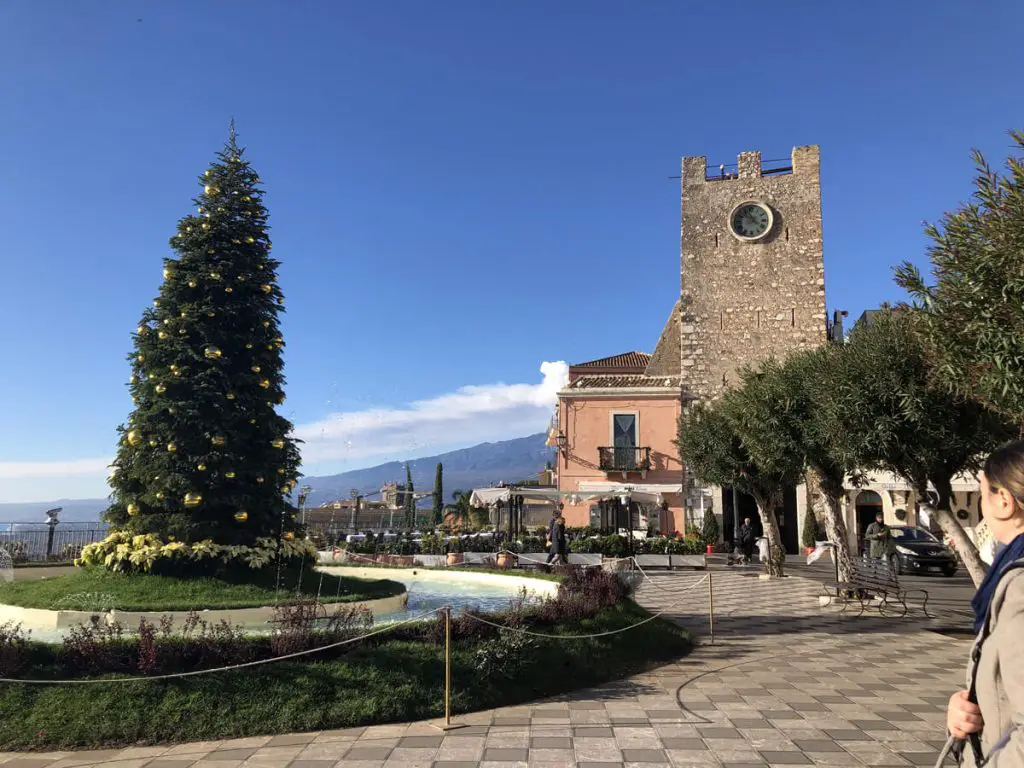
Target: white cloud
{"x": 349, "y": 439}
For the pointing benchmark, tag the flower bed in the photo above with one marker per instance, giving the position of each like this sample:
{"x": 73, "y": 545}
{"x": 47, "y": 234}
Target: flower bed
{"x": 393, "y": 676}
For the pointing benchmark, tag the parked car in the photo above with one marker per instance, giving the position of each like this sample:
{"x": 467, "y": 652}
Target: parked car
{"x": 918, "y": 551}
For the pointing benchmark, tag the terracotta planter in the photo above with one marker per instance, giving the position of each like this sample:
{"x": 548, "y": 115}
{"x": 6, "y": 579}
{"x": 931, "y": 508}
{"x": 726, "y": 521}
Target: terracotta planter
{"x": 506, "y": 560}
{"x": 454, "y": 558}
{"x": 711, "y": 549}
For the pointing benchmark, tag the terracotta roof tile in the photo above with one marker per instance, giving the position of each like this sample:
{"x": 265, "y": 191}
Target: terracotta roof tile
{"x": 625, "y": 360}
{"x": 623, "y": 381}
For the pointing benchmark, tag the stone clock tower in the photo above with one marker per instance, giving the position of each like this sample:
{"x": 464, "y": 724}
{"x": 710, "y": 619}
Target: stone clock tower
{"x": 753, "y": 276}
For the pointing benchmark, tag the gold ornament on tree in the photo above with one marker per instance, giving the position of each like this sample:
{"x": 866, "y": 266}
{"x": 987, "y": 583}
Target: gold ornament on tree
{"x": 167, "y": 273}
{"x": 229, "y": 289}
{"x": 160, "y": 389}
{"x": 160, "y": 495}
{"x": 267, "y": 288}
{"x": 277, "y": 443}
{"x": 161, "y": 334}
{"x": 212, "y": 353}
{"x": 171, "y": 447}
{"x": 201, "y": 467}
{"x": 193, "y": 499}
{"x": 255, "y": 369}
{"x": 286, "y": 488}
{"x": 191, "y": 283}
{"x": 259, "y": 480}
{"x": 211, "y": 314}
{"x": 248, "y": 346}
{"x": 218, "y": 440}
{"x": 134, "y": 438}
{"x": 250, "y": 239}
{"x": 241, "y": 516}
{"x": 265, "y": 383}
{"x": 141, "y": 330}
{"x": 152, "y": 443}
{"x": 133, "y": 509}
{"x": 230, "y": 395}
{"x": 229, "y": 475}
{"x": 288, "y": 535}
{"x": 141, "y": 358}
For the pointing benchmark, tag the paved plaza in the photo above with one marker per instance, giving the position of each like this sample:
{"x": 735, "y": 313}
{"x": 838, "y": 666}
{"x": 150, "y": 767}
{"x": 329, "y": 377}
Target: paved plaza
{"x": 785, "y": 683}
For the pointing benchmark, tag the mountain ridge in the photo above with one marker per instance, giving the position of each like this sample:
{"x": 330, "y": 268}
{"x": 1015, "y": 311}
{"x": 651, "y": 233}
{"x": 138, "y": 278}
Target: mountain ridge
{"x": 476, "y": 466}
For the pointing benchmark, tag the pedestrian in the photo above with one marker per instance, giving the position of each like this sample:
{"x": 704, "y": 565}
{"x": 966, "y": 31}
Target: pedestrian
{"x": 555, "y": 514}
{"x": 879, "y": 538}
{"x": 747, "y": 540}
{"x": 986, "y": 721}
{"x": 559, "y": 543}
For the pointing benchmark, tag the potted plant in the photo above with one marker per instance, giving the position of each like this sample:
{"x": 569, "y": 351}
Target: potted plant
{"x": 809, "y": 535}
{"x": 709, "y": 531}
{"x": 455, "y": 550}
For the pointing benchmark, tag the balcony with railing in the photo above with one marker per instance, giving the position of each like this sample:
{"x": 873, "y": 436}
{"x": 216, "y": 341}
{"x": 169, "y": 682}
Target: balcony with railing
{"x": 624, "y": 459}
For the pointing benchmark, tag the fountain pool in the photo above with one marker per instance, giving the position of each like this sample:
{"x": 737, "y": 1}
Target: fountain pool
{"x": 427, "y": 590}
{"x": 433, "y": 589}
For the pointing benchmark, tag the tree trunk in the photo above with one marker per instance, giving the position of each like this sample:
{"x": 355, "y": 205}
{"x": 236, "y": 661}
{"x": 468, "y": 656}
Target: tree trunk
{"x": 951, "y": 527}
{"x": 835, "y": 524}
{"x": 766, "y": 506}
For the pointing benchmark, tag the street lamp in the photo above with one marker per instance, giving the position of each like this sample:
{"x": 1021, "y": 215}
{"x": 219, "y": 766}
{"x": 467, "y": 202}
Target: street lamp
{"x": 303, "y": 493}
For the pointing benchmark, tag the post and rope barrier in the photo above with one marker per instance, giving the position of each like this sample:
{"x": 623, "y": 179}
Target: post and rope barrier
{"x": 446, "y": 611}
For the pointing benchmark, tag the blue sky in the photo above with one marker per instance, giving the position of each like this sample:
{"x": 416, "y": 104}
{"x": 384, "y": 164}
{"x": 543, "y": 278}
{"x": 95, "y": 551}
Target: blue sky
{"x": 459, "y": 190}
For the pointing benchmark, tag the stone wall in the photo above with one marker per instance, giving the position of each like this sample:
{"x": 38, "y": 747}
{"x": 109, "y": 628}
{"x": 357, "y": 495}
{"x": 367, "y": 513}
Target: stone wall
{"x": 742, "y": 302}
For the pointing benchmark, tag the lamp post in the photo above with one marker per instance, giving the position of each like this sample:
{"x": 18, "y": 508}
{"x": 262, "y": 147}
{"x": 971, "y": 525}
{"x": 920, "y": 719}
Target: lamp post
{"x": 354, "y": 493}
{"x": 303, "y": 493}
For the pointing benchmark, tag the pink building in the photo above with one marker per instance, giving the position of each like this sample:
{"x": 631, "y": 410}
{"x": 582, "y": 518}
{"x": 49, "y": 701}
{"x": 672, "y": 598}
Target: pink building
{"x": 617, "y": 464}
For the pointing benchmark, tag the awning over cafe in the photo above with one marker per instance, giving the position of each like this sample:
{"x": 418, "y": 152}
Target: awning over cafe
{"x": 644, "y": 493}
{"x": 486, "y": 497}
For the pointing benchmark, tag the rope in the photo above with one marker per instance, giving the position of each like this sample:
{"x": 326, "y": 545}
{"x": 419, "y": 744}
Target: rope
{"x": 563, "y": 637}
{"x": 669, "y": 591}
{"x": 245, "y": 665}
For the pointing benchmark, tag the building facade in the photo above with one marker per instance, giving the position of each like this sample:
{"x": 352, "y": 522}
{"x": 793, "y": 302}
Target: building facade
{"x": 618, "y": 466}
{"x": 752, "y": 287}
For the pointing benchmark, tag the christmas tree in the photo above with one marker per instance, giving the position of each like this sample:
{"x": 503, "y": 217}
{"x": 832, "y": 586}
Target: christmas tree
{"x": 205, "y": 463}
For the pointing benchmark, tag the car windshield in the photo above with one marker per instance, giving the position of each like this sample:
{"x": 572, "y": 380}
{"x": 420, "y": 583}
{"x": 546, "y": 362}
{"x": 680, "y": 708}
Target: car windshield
{"x": 912, "y": 534}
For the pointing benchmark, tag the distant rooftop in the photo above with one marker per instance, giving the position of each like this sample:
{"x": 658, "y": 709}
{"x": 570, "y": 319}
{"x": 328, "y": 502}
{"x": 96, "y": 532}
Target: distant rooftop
{"x": 627, "y": 360}
{"x": 624, "y": 381}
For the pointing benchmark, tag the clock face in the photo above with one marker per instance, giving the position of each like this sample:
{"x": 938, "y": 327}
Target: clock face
{"x": 751, "y": 221}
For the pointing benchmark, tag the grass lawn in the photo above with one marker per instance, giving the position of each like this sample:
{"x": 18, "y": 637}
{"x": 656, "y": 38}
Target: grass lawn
{"x": 91, "y": 589}
{"x": 387, "y": 679}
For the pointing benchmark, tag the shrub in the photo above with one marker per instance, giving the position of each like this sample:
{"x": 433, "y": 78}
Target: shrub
{"x": 123, "y": 551}
{"x": 14, "y": 656}
{"x": 809, "y": 535}
{"x": 709, "y": 529}
{"x": 17, "y": 549}
{"x": 432, "y": 544}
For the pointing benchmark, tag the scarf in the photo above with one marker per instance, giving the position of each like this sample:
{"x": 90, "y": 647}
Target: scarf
{"x": 983, "y": 597}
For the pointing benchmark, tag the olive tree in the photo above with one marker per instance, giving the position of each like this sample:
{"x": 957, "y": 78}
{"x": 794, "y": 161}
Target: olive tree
{"x": 972, "y": 318}
{"x": 898, "y": 419}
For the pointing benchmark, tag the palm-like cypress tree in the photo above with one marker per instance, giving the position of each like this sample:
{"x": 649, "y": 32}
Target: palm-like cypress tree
{"x": 205, "y": 455}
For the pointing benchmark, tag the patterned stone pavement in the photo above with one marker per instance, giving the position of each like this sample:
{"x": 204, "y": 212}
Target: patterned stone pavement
{"x": 786, "y": 683}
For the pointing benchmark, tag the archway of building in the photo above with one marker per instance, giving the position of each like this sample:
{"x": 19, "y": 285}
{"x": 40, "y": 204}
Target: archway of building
{"x": 868, "y": 504}
{"x": 737, "y": 505}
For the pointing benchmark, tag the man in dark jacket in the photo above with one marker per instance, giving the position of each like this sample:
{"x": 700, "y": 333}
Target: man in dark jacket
{"x": 747, "y": 540}
{"x": 879, "y": 539}
{"x": 559, "y": 543}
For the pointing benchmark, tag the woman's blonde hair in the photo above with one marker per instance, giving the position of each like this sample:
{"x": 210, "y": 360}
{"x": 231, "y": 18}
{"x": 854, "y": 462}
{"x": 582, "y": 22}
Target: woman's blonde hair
{"x": 1004, "y": 468}
{"x": 560, "y": 520}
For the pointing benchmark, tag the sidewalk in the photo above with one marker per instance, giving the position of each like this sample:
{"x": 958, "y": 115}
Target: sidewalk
{"x": 785, "y": 684}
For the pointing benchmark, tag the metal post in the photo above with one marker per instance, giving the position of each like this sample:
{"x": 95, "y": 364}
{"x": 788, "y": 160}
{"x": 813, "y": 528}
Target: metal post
{"x": 52, "y": 525}
{"x": 711, "y": 607}
{"x": 447, "y": 666}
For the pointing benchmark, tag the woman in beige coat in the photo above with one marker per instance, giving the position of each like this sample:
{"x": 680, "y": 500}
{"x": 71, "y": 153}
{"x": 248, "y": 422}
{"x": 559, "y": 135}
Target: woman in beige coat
{"x": 986, "y": 721}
